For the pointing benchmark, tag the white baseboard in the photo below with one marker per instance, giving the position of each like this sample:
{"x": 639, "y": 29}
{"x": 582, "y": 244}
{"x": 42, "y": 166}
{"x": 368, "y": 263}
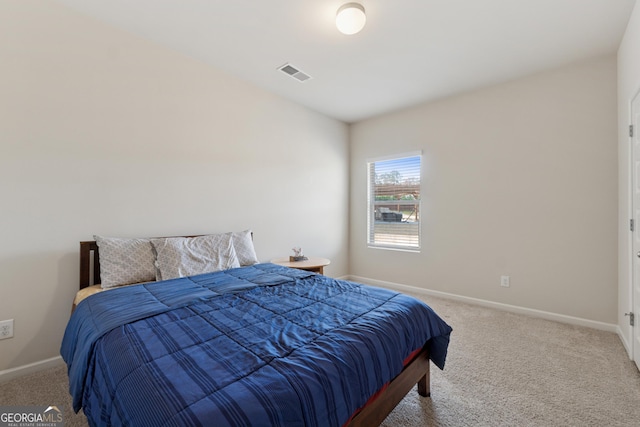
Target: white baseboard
{"x": 609, "y": 327}
{"x": 9, "y": 374}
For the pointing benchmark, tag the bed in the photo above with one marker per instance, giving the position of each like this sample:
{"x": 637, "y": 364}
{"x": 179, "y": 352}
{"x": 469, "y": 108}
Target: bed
{"x": 254, "y": 344}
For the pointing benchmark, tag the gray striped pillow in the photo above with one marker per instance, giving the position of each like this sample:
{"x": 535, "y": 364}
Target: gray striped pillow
{"x": 125, "y": 261}
{"x": 188, "y": 256}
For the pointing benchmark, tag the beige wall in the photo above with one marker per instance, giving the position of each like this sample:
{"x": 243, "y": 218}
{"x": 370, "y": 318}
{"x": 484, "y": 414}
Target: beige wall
{"x": 104, "y": 133}
{"x": 628, "y": 87}
{"x": 520, "y": 179}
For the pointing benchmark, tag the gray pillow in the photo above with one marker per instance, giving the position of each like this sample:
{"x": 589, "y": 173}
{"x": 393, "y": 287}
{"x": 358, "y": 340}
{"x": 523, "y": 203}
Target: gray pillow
{"x": 125, "y": 261}
{"x": 243, "y": 244}
{"x": 188, "y": 256}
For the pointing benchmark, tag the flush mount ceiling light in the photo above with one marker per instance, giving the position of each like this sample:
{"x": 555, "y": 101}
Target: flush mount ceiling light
{"x": 350, "y": 18}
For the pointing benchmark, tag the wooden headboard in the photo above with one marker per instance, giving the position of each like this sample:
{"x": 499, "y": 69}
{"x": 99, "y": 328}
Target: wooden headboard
{"x": 89, "y": 257}
{"x": 90, "y": 261}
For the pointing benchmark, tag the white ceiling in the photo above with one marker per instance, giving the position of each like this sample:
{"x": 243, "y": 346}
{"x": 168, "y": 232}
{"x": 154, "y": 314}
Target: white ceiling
{"x": 409, "y": 52}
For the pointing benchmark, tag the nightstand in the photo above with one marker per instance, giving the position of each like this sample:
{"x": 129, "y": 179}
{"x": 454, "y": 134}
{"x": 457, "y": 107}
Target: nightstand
{"x": 313, "y": 264}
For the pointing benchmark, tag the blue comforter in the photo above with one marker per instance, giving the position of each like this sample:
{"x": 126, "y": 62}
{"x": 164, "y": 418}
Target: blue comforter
{"x": 260, "y": 345}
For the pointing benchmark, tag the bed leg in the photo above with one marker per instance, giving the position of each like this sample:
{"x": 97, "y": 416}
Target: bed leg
{"x": 424, "y": 384}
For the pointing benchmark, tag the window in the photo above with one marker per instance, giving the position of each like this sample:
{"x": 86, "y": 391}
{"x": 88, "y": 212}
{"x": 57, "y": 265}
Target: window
{"x": 394, "y": 202}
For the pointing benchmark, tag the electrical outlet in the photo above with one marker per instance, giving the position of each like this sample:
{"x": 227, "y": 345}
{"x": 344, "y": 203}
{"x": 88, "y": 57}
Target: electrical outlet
{"x": 505, "y": 281}
{"x": 6, "y": 329}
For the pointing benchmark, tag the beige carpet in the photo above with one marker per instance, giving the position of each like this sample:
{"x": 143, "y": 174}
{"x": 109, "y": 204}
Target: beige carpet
{"x": 503, "y": 369}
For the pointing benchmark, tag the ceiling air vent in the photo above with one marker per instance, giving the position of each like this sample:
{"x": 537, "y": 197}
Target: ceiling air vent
{"x": 294, "y": 72}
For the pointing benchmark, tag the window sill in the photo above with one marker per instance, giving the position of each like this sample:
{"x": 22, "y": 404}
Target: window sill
{"x": 395, "y": 248}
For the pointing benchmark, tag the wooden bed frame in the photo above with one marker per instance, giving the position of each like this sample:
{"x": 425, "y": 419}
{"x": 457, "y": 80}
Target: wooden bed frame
{"x": 416, "y": 371}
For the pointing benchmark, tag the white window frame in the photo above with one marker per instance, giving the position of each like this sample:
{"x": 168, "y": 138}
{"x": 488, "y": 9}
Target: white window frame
{"x": 371, "y": 206}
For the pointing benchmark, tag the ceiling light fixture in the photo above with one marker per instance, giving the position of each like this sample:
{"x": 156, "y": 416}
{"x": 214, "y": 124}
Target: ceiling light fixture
{"x": 350, "y": 18}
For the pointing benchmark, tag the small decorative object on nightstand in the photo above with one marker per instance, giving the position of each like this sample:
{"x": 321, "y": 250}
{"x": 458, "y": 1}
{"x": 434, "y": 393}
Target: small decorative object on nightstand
{"x": 297, "y": 255}
{"x": 313, "y": 264}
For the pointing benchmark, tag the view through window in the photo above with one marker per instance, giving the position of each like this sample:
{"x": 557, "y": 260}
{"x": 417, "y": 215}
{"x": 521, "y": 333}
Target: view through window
{"x": 394, "y": 202}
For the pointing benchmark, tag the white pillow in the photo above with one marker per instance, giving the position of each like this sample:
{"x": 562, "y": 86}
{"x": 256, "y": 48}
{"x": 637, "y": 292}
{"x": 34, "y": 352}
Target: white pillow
{"x": 243, "y": 244}
{"x": 188, "y": 256}
{"x": 125, "y": 261}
